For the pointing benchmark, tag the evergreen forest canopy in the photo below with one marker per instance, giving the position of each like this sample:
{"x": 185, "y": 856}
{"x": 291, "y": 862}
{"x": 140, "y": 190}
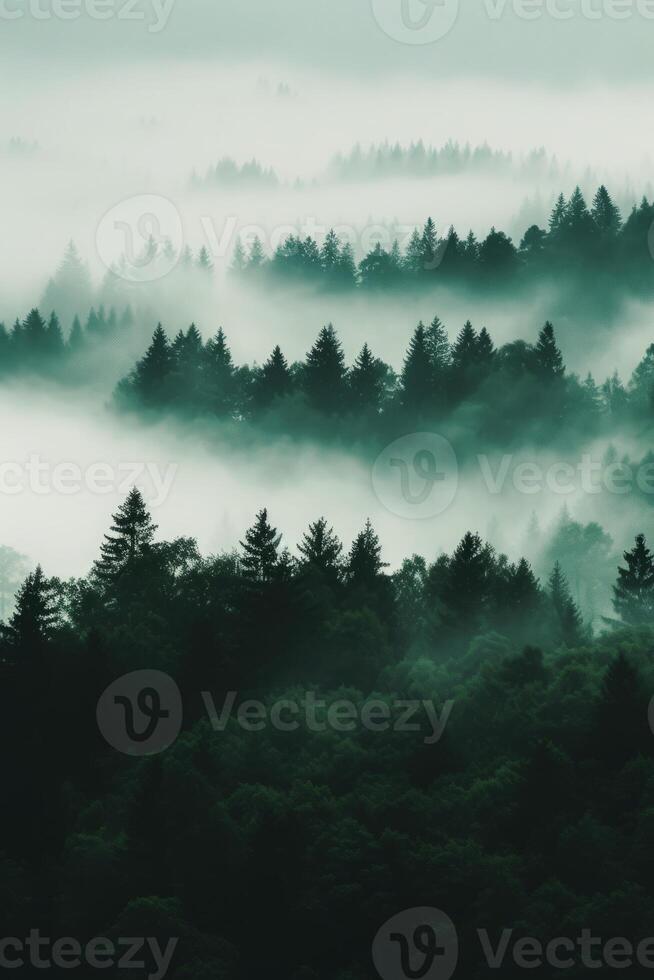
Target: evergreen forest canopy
{"x": 532, "y": 808}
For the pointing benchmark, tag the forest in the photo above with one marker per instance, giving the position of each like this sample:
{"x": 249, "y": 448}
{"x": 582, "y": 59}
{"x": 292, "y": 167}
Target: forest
{"x": 534, "y": 807}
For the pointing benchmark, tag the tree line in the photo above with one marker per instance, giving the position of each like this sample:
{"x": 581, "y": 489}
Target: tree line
{"x": 509, "y": 387}
{"x": 533, "y": 807}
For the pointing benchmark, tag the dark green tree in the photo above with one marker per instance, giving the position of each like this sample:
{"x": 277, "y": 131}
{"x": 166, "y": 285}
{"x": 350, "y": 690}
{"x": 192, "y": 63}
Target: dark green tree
{"x": 260, "y": 550}
{"x": 633, "y": 593}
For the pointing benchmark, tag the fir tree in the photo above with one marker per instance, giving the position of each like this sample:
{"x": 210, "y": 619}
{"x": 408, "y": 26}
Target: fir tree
{"x": 548, "y": 359}
{"x": 324, "y": 373}
{"x": 417, "y": 378}
{"x": 35, "y": 616}
{"x": 364, "y": 563}
{"x": 273, "y": 380}
{"x": 259, "y": 556}
{"x": 633, "y": 593}
{"x": 568, "y": 617}
{"x": 605, "y": 214}
{"x": 153, "y": 370}
{"x": 465, "y": 348}
{"x": 366, "y": 382}
{"x": 131, "y": 537}
{"x": 321, "y": 548}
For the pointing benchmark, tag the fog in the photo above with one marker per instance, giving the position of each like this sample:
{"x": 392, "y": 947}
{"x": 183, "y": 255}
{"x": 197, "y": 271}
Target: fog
{"x": 142, "y": 122}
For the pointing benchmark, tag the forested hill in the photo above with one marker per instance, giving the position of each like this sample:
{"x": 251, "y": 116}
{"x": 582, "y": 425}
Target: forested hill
{"x": 521, "y": 792}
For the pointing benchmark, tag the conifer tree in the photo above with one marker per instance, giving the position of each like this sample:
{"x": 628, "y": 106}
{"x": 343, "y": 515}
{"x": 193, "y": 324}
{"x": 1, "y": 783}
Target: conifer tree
{"x": 366, "y": 382}
{"x": 204, "y": 263}
{"x": 130, "y": 538}
{"x": 633, "y": 593}
{"x": 220, "y": 375}
{"x": 324, "y": 373}
{"x": 272, "y": 381}
{"x": 152, "y": 371}
{"x": 54, "y": 336}
{"x": 259, "y": 556}
{"x": 438, "y": 345}
{"x": 364, "y": 563}
{"x": 239, "y": 258}
{"x": 567, "y": 614}
{"x": 417, "y": 378}
{"x": 548, "y": 359}
{"x": 256, "y": 256}
{"x": 465, "y": 348}
{"x": 605, "y": 214}
{"x": 321, "y": 548}
{"x": 35, "y": 615}
{"x": 76, "y": 335}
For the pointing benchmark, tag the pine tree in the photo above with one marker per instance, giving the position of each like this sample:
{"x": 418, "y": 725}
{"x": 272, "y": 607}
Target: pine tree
{"x": 466, "y": 588}
{"x": 153, "y": 370}
{"x": 606, "y": 214}
{"x": 413, "y": 258}
{"x": 633, "y": 593}
{"x": 568, "y": 617}
{"x": 438, "y": 346}
{"x": 366, "y": 382}
{"x": 558, "y": 217}
{"x": 220, "y": 376}
{"x": 257, "y": 256}
{"x": 239, "y": 259}
{"x": 485, "y": 347}
{"x": 324, "y": 375}
{"x": 54, "y": 336}
{"x": 76, "y": 336}
{"x": 330, "y": 252}
{"x": 204, "y": 263}
{"x": 364, "y": 563}
{"x": 417, "y": 378}
{"x": 34, "y": 334}
{"x": 465, "y": 348}
{"x": 272, "y": 381}
{"x": 429, "y": 247}
{"x": 35, "y": 616}
{"x": 321, "y": 548}
{"x": 547, "y": 356}
{"x": 131, "y": 536}
{"x": 259, "y": 557}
